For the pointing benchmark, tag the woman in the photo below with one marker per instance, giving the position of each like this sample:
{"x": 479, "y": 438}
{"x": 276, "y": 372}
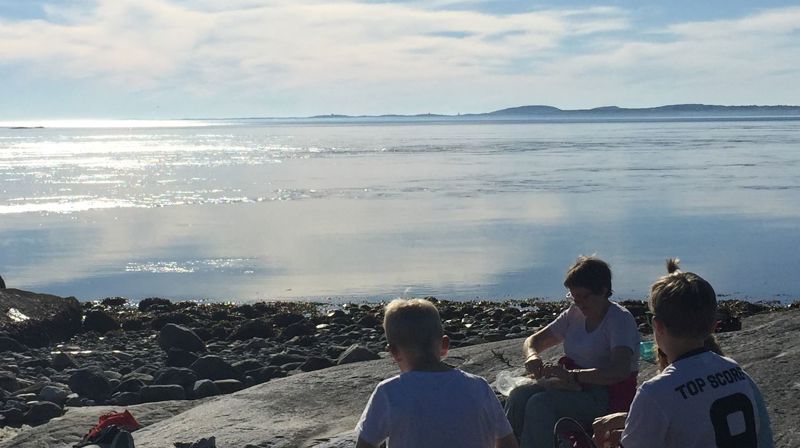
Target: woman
{"x": 598, "y": 373}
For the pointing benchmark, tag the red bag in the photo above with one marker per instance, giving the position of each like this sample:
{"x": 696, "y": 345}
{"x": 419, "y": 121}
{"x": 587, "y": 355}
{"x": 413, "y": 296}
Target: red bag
{"x": 122, "y": 420}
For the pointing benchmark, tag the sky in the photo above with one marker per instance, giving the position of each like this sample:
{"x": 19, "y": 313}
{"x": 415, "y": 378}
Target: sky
{"x": 245, "y": 58}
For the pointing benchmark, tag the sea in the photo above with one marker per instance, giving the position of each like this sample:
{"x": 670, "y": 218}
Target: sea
{"x": 348, "y": 209}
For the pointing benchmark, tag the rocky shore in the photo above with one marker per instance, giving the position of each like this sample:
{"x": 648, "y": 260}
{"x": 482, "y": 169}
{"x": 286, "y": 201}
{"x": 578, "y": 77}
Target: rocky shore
{"x": 60, "y": 356}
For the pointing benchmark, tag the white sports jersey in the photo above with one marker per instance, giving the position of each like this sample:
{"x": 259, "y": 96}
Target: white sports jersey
{"x": 701, "y": 400}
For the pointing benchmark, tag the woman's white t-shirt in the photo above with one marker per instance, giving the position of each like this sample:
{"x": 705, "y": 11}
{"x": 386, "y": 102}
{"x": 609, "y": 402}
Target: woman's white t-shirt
{"x": 593, "y": 349}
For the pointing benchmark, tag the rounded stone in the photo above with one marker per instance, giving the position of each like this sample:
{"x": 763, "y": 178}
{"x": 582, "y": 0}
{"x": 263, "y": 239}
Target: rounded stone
{"x": 205, "y": 388}
{"x": 90, "y": 382}
{"x": 42, "y": 412}
{"x": 315, "y": 363}
{"x": 229, "y": 386}
{"x": 63, "y": 361}
{"x": 151, "y": 394}
{"x": 254, "y": 328}
{"x": 214, "y": 368}
{"x": 100, "y": 321}
{"x": 176, "y": 336}
{"x": 53, "y": 395}
{"x": 356, "y": 353}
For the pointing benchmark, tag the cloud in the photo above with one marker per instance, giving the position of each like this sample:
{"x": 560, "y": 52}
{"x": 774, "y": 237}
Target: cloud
{"x": 446, "y": 56}
{"x": 707, "y": 61}
{"x": 145, "y": 43}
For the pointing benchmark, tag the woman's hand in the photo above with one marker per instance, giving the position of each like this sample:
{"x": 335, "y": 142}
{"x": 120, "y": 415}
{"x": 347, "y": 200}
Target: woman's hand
{"x": 534, "y": 366}
{"x": 558, "y": 377}
{"x": 608, "y": 429}
{"x": 558, "y": 371}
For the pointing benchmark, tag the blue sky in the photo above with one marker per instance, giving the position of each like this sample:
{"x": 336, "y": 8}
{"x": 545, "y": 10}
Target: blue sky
{"x": 205, "y": 58}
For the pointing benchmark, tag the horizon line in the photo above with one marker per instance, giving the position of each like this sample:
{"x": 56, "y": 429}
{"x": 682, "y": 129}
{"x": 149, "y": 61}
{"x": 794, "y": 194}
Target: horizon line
{"x": 10, "y": 123}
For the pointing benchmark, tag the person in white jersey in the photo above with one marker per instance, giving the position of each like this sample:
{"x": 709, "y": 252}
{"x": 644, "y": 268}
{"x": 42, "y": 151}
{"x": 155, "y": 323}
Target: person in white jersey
{"x": 598, "y": 373}
{"x": 429, "y": 404}
{"x": 701, "y": 399}
{"x": 608, "y": 428}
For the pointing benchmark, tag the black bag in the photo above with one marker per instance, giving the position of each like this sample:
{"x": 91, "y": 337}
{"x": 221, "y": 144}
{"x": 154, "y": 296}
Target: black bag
{"x": 569, "y": 433}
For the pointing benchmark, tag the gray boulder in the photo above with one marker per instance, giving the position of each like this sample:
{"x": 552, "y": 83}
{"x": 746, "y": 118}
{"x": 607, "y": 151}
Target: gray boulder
{"x": 176, "y": 336}
{"x": 91, "y": 383}
{"x": 180, "y": 358}
{"x": 11, "y": 345}
{"x": 254, "y": 328}
{"x": 315, "y": 363}
{"x": 229, "y": 386}
{"x": 49, "y": 318}
{"x": 150, "y": 394}
{"x": 154, "y": 303}
{"x": 204, "y": 388}
{"x": 42, "y": 412}
{"x": 302, "y": 328}
{"x": 100, "y": 321}
{"x": 356, "y": 353}
{"x": 141, "y": 376}
{"x": 265, "y": 374}
{"x": 12, "y": 417}
{"x": 8, "y": 382}
{"x": 126, "y": 398}
{"x": 63, "y": 361}
{"x": 180, "y": 376}
{"x": 130, "y": 385}
{"x": 282, "y": 358}
{"x": 214, "y": 368}
{"x": 256, "y": 344}
{"x": 53, "y": 395}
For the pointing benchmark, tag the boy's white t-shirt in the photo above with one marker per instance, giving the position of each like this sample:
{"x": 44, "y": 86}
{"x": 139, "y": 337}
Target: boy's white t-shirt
{"x": 433, "y": 409}
{"x": 701, "y": 400}
{"x": 593, "y": 349}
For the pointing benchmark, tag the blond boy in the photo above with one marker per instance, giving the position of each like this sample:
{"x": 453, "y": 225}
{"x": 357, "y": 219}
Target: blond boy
{"x": 429, "y": 404}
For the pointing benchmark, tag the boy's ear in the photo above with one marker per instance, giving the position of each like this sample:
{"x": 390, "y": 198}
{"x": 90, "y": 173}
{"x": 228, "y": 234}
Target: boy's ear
{"x": 658, "y": 326}
{"x": 445, "y": 346}
{"x": 394, "y": 352}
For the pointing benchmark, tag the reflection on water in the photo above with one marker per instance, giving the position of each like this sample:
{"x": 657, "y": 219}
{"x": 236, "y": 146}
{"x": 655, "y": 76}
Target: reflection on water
{"x": 343, "y": 211}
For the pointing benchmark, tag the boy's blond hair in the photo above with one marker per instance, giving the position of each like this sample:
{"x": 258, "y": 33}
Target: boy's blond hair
{"x": 684, "y": 302}
{"x": 413, "y": 325}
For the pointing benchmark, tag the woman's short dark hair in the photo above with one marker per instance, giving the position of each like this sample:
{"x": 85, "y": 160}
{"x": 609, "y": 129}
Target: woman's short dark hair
{"x": 591, "y": 273}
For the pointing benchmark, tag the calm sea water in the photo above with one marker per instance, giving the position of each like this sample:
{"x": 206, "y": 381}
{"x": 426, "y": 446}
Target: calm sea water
{"x": 262, "y": 209}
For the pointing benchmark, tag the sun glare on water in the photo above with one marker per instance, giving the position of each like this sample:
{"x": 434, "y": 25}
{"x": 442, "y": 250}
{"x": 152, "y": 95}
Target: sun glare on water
{"x": 103, "y": 124}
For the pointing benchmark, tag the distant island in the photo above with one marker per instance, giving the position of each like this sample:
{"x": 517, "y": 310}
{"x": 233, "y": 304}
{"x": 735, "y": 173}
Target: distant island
{"x": 673, "y": 112}
{"x": 611, "y": 112}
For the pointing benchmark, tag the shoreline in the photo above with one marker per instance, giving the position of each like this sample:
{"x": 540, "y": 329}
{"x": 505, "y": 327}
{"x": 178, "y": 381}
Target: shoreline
{"x": 776, "y": 301}
{"x": 123, "y": 354}
{"x": 320, "y": 408}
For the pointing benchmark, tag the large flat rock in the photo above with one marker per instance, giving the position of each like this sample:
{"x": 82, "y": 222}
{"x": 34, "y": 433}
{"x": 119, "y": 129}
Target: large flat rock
{"x": 36, "y": 319}
{"x": 321, "y": 408}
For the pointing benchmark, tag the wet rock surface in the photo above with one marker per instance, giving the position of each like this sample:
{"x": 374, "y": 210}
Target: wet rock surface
{"x": 158, "y": 350}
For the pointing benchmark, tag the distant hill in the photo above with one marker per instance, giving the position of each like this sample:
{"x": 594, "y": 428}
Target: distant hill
{"x": 609, "y": 112}
{"x": 673, "y": 110}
